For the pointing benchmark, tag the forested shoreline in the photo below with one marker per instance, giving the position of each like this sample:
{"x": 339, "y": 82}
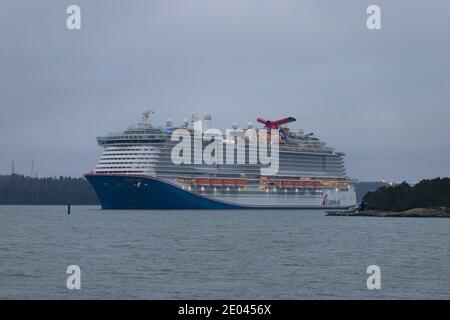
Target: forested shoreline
{"x": 428, "y": 193}
{"x": 24, "y": 190}
{"x": 18, "y": 189}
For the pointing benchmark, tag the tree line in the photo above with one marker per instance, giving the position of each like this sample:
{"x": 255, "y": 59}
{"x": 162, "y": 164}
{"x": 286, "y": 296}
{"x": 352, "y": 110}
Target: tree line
{"x": 361, "y": 188}
{"x": 428, "y": 193}
{"x": 25, "y": 190}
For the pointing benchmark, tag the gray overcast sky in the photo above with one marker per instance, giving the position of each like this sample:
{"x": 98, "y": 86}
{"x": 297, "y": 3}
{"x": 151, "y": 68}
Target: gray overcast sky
{"x": 382, "y": 97}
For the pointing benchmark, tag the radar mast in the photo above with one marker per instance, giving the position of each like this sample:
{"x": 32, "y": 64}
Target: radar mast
{"x": 145, "y": 120}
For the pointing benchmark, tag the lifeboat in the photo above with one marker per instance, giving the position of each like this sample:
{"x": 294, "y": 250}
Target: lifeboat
{"x": 306, "y": 183}
{"x": 202, "y": 181}
{"x": 216, "y": 182}
{"x": 241, "y": 182}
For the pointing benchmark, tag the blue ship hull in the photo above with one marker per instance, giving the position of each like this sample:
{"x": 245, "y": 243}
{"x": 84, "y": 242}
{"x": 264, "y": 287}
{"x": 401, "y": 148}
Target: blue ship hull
{"x": 142, "y": 192}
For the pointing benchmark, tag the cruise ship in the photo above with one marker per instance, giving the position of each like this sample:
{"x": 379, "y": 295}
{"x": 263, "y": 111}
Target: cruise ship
{"x": 137, "y": 170}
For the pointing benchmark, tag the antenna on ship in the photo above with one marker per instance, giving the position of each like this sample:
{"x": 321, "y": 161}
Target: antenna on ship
{"x": 12, "y": 166}
{"x": 193, "y": 119}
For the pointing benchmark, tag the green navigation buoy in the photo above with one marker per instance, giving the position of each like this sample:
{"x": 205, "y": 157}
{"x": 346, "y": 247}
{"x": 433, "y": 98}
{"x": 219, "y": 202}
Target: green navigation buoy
{"x": 68, "y": 208}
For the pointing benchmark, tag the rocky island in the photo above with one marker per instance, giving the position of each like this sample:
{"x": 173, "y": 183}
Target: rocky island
{"x": 411, "y": 213}
{"x": 427, "y": 199}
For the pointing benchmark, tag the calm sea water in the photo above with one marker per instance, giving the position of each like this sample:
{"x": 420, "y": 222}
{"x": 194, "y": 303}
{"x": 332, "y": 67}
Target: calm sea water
{"x": 219, "y": 254}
